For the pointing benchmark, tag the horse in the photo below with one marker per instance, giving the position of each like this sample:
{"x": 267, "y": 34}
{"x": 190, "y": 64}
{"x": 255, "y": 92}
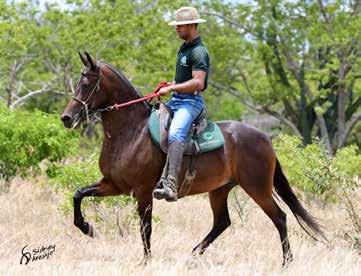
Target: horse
{"x": 131, "y": 164}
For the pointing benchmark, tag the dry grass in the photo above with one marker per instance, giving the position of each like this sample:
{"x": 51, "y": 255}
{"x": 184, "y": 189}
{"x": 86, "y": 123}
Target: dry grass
{"x": 29, "y": 215}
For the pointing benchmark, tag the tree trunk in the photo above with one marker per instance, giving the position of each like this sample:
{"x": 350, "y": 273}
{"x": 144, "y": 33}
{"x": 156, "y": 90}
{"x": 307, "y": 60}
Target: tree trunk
{"x": 324, "y": 133}
{"x": 305, "y": 125}
{"x": 341, "y": 120}
{"x": 10, "y": 87}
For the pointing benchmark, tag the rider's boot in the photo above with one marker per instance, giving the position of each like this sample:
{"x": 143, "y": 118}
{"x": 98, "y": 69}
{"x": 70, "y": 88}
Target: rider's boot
{"x": 170, "y": 185}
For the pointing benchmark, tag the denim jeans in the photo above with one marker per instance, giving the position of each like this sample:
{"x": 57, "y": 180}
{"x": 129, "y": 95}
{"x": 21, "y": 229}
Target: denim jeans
{"x": 186, "y": 108}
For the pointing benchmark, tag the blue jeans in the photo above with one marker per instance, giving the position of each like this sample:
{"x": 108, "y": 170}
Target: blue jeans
{"x": 186, "y": 108}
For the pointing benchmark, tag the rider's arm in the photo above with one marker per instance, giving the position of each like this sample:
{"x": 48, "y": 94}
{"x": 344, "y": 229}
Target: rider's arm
{"x": 200, "y": 66}
{"x": 194, "y": 84}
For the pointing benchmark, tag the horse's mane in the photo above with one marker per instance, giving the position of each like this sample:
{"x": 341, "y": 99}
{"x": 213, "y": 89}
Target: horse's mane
{"x": 129, "y": 85}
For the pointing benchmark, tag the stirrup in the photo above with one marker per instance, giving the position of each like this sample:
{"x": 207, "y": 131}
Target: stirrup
{"x": 160, "y": 183}
{"x": 159, "y": 191}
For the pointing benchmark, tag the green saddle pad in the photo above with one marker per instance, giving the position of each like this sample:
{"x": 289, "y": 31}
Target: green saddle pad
{"x": 210, "y": 139}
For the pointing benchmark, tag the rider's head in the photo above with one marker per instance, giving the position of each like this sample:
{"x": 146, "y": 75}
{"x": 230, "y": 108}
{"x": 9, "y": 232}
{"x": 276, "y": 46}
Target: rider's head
{"x": 186, "y": 31}
{"x": 186, "y": 22}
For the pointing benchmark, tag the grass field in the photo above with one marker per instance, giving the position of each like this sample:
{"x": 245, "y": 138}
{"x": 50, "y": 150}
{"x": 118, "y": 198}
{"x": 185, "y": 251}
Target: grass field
{"x": 29, "y": 215}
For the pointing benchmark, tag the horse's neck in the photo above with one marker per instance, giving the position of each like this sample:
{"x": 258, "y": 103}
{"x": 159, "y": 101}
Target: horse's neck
{"x": 123, "y": 124}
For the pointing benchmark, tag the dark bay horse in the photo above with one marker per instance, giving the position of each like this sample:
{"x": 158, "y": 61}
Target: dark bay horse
{"x": 131, "y": 164}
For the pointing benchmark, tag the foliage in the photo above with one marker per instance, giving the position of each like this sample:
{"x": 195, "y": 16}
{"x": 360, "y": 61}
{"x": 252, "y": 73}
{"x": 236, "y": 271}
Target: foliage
{"x": 131, "y": 35}
{"x": 233, "y": 111}
{"x": 336, "y": 178}
{"x": 313, "y": 170}
{"x": 295, "y": 60}
{"x": 27, "y": 138}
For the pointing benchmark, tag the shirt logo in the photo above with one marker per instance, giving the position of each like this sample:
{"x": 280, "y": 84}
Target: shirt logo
{"x": 184, "y": 61}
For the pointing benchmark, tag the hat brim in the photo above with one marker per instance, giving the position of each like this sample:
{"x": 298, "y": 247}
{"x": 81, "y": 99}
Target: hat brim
{"x": 174, "y": 23}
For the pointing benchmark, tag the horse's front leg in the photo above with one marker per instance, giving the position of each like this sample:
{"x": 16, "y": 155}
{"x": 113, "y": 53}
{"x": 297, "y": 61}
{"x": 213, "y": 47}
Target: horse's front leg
{"x": 145, "y": 204}
{"x": 101, "y": 188}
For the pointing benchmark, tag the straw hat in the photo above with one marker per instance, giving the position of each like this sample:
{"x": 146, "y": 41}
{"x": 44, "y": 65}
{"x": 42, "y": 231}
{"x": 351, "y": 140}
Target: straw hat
{"x": 186, "y": 15}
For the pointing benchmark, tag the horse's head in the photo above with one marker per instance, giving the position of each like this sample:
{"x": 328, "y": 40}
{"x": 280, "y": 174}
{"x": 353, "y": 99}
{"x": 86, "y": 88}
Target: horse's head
{"x": 87, "y": 97}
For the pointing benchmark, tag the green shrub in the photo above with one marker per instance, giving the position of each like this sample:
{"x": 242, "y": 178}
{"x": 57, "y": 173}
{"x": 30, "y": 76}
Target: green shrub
{"x": 27, "y": 138}
{"x": 348, "y": 161}
{"x": 312, "y": 170}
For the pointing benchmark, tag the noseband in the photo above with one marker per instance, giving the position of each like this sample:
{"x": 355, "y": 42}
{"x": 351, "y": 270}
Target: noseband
{"x": 96, "y": 89}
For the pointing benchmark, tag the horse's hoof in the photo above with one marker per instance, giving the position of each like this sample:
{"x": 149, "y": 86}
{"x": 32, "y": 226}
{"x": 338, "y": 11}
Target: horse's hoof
{"x": 145, "y": 261}
{"x": 287, "y": 260}
{"x": 91, "y": 231}
{"x": 198, "y": 251}
{"x": 192, "y": 262}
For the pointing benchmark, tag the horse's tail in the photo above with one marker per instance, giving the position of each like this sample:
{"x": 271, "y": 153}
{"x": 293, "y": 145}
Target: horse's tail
{"x": 306, "y": 221}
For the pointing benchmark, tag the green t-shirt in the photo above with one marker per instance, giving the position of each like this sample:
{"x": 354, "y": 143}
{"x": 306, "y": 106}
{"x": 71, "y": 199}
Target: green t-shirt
{"x": 192, "y": 56}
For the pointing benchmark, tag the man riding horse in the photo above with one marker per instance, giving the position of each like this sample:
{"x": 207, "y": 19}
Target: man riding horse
{"x": 131, "y": 162}
{"x": 187, "y": 102}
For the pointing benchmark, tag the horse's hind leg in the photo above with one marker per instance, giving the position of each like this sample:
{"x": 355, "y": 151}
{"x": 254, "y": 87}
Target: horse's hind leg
{"x": 221, "y": 220}
{"x": 100, "y": 188}
{"x": 278, "y": 217}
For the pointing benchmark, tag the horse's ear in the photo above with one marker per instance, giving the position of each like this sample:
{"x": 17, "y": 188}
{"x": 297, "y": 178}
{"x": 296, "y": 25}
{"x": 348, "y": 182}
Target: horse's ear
{"x": 90, "y": 60}
{"x": 83, "y": 59}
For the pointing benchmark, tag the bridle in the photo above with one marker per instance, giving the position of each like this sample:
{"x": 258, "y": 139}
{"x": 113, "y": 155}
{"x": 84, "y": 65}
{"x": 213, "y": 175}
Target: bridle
{"x": 95, "y": 89}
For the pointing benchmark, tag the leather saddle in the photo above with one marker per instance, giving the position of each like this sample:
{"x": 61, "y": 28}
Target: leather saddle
{"x": 198, "y": 126}
{"x": 204, "y": 135}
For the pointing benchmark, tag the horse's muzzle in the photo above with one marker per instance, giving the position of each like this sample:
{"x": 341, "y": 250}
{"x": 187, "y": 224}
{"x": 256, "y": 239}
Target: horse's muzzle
{"x": 67, "y": 120}
{"x": 72, "y": 121}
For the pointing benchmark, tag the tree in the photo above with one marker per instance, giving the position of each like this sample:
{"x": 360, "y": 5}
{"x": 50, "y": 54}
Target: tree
{"x": 305, "y": 61}
{"x": 39, "y": 55}
{"x": 298, "y": 61}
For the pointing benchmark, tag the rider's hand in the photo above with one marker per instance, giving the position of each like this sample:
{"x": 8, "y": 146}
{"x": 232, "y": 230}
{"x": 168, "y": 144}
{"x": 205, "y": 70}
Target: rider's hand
{"x": 165, "y": 90}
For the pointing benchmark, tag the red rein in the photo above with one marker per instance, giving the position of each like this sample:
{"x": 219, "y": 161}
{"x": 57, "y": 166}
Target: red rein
{"x": 148, "y": 97}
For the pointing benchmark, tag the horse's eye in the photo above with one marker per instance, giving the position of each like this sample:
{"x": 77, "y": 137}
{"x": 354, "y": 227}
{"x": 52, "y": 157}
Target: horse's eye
{"x": 85, "y": 83}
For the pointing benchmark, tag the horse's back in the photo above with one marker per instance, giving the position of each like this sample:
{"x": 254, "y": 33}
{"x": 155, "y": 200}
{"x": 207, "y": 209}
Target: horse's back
{"x": 243, "y": 133}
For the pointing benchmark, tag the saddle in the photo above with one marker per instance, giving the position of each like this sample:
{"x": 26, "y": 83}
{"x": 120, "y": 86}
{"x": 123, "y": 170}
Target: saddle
{"x": 204, "y": 136}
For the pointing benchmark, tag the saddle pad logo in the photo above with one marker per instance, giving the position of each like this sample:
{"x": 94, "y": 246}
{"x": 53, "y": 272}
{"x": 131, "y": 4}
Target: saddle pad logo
{"x": 207, "y": 136}
{"x": 184, "y": 61}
